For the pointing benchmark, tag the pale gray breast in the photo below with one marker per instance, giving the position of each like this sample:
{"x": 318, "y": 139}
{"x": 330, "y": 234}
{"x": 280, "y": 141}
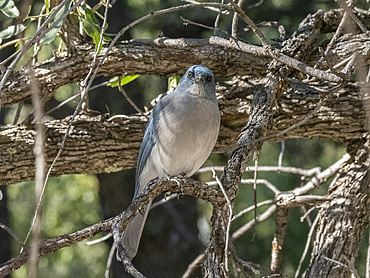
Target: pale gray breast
{"x": 187, "y": 131}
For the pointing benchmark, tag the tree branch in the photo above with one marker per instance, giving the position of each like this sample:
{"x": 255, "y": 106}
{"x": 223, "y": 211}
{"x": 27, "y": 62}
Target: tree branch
{"x": 184, "y": 186}
{"x": 96, "y": 145}
{"x": 166, "y": 57}
{"x": 343, "y": 221}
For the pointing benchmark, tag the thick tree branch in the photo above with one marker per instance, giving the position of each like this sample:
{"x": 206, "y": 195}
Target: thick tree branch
{"x": 96, "y": 145}
{"x": 259, "y": 124}
{"x": 343, "y": 222}
{"x": 153, "y": 57}
{"x": 184, "y": 186}
{"x": 165, "y": 56}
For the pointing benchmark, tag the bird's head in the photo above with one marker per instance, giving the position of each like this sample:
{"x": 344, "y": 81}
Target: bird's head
{"x": 199, "y": 81}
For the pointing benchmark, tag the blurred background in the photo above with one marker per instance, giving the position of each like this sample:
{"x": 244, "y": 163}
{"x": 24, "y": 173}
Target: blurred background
{"x": 177, "y": 231}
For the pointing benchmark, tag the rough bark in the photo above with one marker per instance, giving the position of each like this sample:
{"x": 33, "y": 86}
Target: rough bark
{"x": 160, "y": 57}
{"x": 344, "y": 220}
{"x": 96, "y": 145}
{"x": 259, "y": 124}
{"x": 163, "y": 57}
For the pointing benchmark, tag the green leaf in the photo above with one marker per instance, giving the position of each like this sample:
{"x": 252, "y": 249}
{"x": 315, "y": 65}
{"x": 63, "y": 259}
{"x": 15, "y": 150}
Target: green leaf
{"x": 14, "y": 29}
{"x": 47, "y": 5}
{"x": 113, "y": 82}
{"x": 8, "y": 8}
{"x": 50, "y": 36}
{"x": 172, "y": 82}
{"x": 91, "y": 25}
{"x": 92, "y": 30}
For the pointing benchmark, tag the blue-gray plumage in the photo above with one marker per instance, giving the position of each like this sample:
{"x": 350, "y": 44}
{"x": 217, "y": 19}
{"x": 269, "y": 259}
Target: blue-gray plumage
{"x": 180, "y": 135}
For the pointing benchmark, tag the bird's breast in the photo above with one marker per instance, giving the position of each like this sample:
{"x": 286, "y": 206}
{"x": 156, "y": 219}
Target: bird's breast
{"x": 187, "y": 132}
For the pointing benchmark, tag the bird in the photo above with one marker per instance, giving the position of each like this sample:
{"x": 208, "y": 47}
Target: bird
{"x": 180, "y": 134}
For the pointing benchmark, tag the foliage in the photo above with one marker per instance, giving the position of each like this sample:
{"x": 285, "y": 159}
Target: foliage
{"x": 71, "y": 203}
{"x": 113, "y": 82}
{"x": 50, "y": 36}
{"x": 8, "y": 8}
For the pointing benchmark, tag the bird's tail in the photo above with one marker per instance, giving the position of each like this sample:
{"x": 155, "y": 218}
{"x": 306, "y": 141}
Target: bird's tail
{"x": 132, "y": 234}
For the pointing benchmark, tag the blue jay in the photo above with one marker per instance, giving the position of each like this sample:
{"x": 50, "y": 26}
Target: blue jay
{"x": 179, "y": 136}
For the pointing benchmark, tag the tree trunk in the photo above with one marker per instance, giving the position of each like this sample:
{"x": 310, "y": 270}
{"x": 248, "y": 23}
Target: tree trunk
{"x": 343, "y": 222}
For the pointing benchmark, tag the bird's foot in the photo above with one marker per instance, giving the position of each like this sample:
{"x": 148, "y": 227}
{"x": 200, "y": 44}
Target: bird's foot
{"x": 176, "y": 179}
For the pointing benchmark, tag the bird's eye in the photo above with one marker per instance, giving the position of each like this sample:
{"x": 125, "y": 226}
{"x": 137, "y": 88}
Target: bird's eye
{"x": 190, "y": 74}
{"x": 209, "y": 78}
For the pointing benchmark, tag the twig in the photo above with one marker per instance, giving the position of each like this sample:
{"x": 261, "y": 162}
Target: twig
{"x": 368, "y": 259}
{"x": 280, "y": 159}
{"x": 309, "y": 236}
{"x": 255, "y": 5}
{"x": 335, "y": 37}
{"x": 318, "y": 179}
{"x": 350, "y": 12}
{"x": 109, "y": 260}
{"x": 18, "y": 113}
{"x": 322, "y": 177}
{"x": 193, "y": 265}
{"x": 341, "y": 63}
{"x": 217, "y": 19}
{"x": 122, "y": 255}
{"x": 282, "y": 169}
{"x": 209, "y": 8}
{"x": 5, "y": 45}
{"x": 73, "y": 97}
{"x": 327, "y": 60}
{"x": 244, "y": 211}
{"x": 234, "y": 26}
{"x": 351, "y": 266}
{"x": 7, "y": 59}
{"x": 85, "y": 90}
{"x": 163, "y": 201}
{"x": 62, "y": 104}
{"x": 246, "y": 267}
{"x": 229, "y": 220}
{"x": 11, "y": 233}
{"x": 120, "y": 88}
{"x": 355, "y": 274}
{"x": 39, "y": 152}
{"x": 280, "y": 57}
{"x": 289, "y": 200}
{"x": 309, "y": 116}
{"x": 279, "y": 238}
{"x": 187, "y": 186}
{"x": 260, "y": 218}
{"x": 249, "y": 21}
{"x": 268, "y": 184}
{"x": 40, "y": 33}
{"x": 306, "y": 215}
{"x": 64, "y": 139}
{"x": 37, "y": 47}
{"x": 255, "y": 188}
{"x": 96, "y": 241}
{"x": 187, "y": 21}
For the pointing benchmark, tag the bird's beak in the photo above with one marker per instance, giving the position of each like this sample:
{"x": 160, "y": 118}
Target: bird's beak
{"x": 200, "y": 78}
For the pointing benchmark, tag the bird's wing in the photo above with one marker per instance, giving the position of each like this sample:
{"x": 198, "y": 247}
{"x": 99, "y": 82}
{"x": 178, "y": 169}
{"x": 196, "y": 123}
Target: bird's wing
{"x": 145, "y": 150}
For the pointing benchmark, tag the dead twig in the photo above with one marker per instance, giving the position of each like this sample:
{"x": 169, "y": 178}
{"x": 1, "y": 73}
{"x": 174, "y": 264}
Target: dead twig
{"x": 11, "y": 233}
{"x": 309, "y": 236}
{"x": 249, "y": 21}
{"x": 229, "y": 205}
{"x": 120, "y": 88}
